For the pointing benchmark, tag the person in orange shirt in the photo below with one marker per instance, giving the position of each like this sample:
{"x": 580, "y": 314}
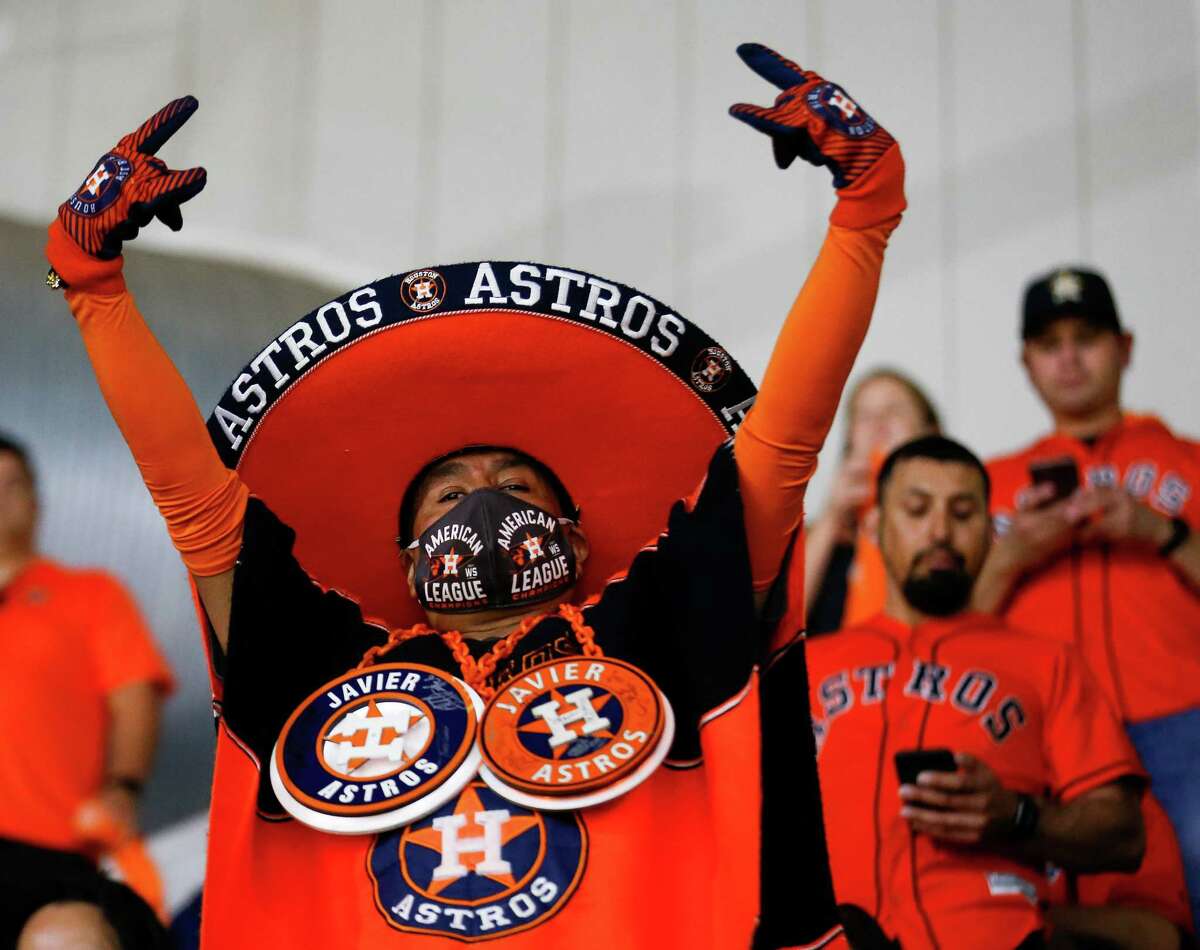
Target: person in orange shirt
{"x": 843, "y": 573}
{"x": 957, "y": 755}
{"x": 83, "y": 683}
{"x": 1100, "y": 547}
{"x": 1146, "y": 909}
{"x": 675, "y": 861}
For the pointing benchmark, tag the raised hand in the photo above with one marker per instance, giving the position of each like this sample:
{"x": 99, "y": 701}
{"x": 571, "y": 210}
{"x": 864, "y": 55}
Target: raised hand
{"x": 1039, "y": 529}
{"x": 812, "y": 118}
{"x": 851, "y": 492}
{"x": 129, "y": 187}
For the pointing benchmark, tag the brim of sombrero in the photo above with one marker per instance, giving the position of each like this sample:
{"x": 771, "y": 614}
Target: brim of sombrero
{"x": 618, "y": 394}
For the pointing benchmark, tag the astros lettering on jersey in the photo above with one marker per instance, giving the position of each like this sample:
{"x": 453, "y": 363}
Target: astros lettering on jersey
{"x": 1022, "y": 704}
{"x": 1133, "y": 619}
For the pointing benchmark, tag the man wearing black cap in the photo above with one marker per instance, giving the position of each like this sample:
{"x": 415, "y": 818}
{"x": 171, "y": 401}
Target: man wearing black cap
{"x": 1098, "y": 544}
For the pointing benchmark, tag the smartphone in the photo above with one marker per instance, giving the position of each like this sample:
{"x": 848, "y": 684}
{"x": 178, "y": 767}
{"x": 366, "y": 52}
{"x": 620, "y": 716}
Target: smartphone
{"x": 912, "y": 762}
{"x": 1062, "y": 473}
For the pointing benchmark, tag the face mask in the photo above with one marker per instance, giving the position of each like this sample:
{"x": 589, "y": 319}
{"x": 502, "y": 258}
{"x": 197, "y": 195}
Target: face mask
{"x": 492, "y": 550}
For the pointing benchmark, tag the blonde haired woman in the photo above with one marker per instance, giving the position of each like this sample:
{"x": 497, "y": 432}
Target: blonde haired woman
{"x": 843, "y": 573}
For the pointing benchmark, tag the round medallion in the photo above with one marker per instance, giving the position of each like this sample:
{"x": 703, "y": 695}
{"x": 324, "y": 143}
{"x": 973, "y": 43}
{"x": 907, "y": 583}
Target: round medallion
{"x": 377, "y": 748}
{"x": 423, "y": 290}
{"x": 574, "y": 732}
{"x": 478, "y": 868}
{"x": 711, "y": 369}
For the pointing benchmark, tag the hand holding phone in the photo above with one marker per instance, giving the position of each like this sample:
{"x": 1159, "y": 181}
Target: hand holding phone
{"x": 912, "y": 762}
{"x": 1062, "y": 473}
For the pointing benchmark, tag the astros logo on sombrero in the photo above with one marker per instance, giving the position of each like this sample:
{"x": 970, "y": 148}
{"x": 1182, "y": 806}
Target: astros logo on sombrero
{"x": 480, "y": 867}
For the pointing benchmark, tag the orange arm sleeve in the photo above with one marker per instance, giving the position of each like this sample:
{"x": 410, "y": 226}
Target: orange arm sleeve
{"x": 203, "y": 502}
{"x": 777, "y": 444}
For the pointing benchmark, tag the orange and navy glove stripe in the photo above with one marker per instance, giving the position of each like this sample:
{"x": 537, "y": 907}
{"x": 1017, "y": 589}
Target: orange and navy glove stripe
{"x": 813, "y": 119}
{"x": 128, "y": 187}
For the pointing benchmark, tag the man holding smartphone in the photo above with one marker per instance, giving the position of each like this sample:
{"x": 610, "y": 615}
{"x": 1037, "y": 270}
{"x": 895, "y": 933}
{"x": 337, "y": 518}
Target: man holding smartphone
{"x": 1098, "y": 541}
{"x": 956, "y": 755}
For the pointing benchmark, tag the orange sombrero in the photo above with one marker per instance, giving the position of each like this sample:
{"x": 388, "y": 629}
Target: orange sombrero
{"x": 623, "y": 398}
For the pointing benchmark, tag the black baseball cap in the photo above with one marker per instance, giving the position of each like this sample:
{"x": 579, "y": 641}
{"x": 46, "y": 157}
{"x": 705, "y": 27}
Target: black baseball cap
{"x": 1068, "y": 292}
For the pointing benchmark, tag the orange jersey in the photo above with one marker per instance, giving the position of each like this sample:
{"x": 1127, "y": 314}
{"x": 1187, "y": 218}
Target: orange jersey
{"x": 673, "y": 863}
{"x": 1022, "y": 704}
{"x": 1156, "y": 886}
{"x": 68, "y": 638}
{"x": 1135, "y": 621}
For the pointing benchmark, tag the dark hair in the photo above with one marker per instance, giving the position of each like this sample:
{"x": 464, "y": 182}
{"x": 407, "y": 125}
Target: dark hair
{"x": 13, "y": 447}
{"x": 918, "y": 395}
{"x": 936, "y": 447}
{"x": 408, "y": 505}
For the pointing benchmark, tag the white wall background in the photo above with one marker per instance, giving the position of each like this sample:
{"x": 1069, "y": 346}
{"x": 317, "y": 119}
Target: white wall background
{"x": 346, "y": 140}
{"x": 350, "y": 139}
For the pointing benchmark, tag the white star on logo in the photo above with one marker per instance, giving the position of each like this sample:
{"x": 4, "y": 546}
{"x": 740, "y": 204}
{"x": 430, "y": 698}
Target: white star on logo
{"x": 841, "y": 101}
{"x": 1066, "y": 287}
{"x": 96, "y": 179}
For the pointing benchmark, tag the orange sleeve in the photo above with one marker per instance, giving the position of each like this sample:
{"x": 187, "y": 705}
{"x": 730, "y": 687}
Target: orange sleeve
{"x": 203, "y": 502}
{"x": 1157, "y": 886}
{"x": 123, "y": 648}
{"x": 777, "y": 444}
{"x": 1085, "y": 744}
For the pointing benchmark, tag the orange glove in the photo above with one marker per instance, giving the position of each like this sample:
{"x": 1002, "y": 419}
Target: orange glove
{"x": 126, "y": 189}
{"x": 812, "y": 118}
{"x": 818, "y": 121}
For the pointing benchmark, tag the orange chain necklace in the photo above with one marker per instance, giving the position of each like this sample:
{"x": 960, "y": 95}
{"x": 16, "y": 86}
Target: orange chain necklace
{"x": 477, "y": 672}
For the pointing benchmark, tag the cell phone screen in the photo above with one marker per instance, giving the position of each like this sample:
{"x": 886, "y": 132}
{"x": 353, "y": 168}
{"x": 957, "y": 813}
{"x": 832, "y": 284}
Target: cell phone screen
{"x": 1062, "y": 473}
{"x": 912, "y": 762}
